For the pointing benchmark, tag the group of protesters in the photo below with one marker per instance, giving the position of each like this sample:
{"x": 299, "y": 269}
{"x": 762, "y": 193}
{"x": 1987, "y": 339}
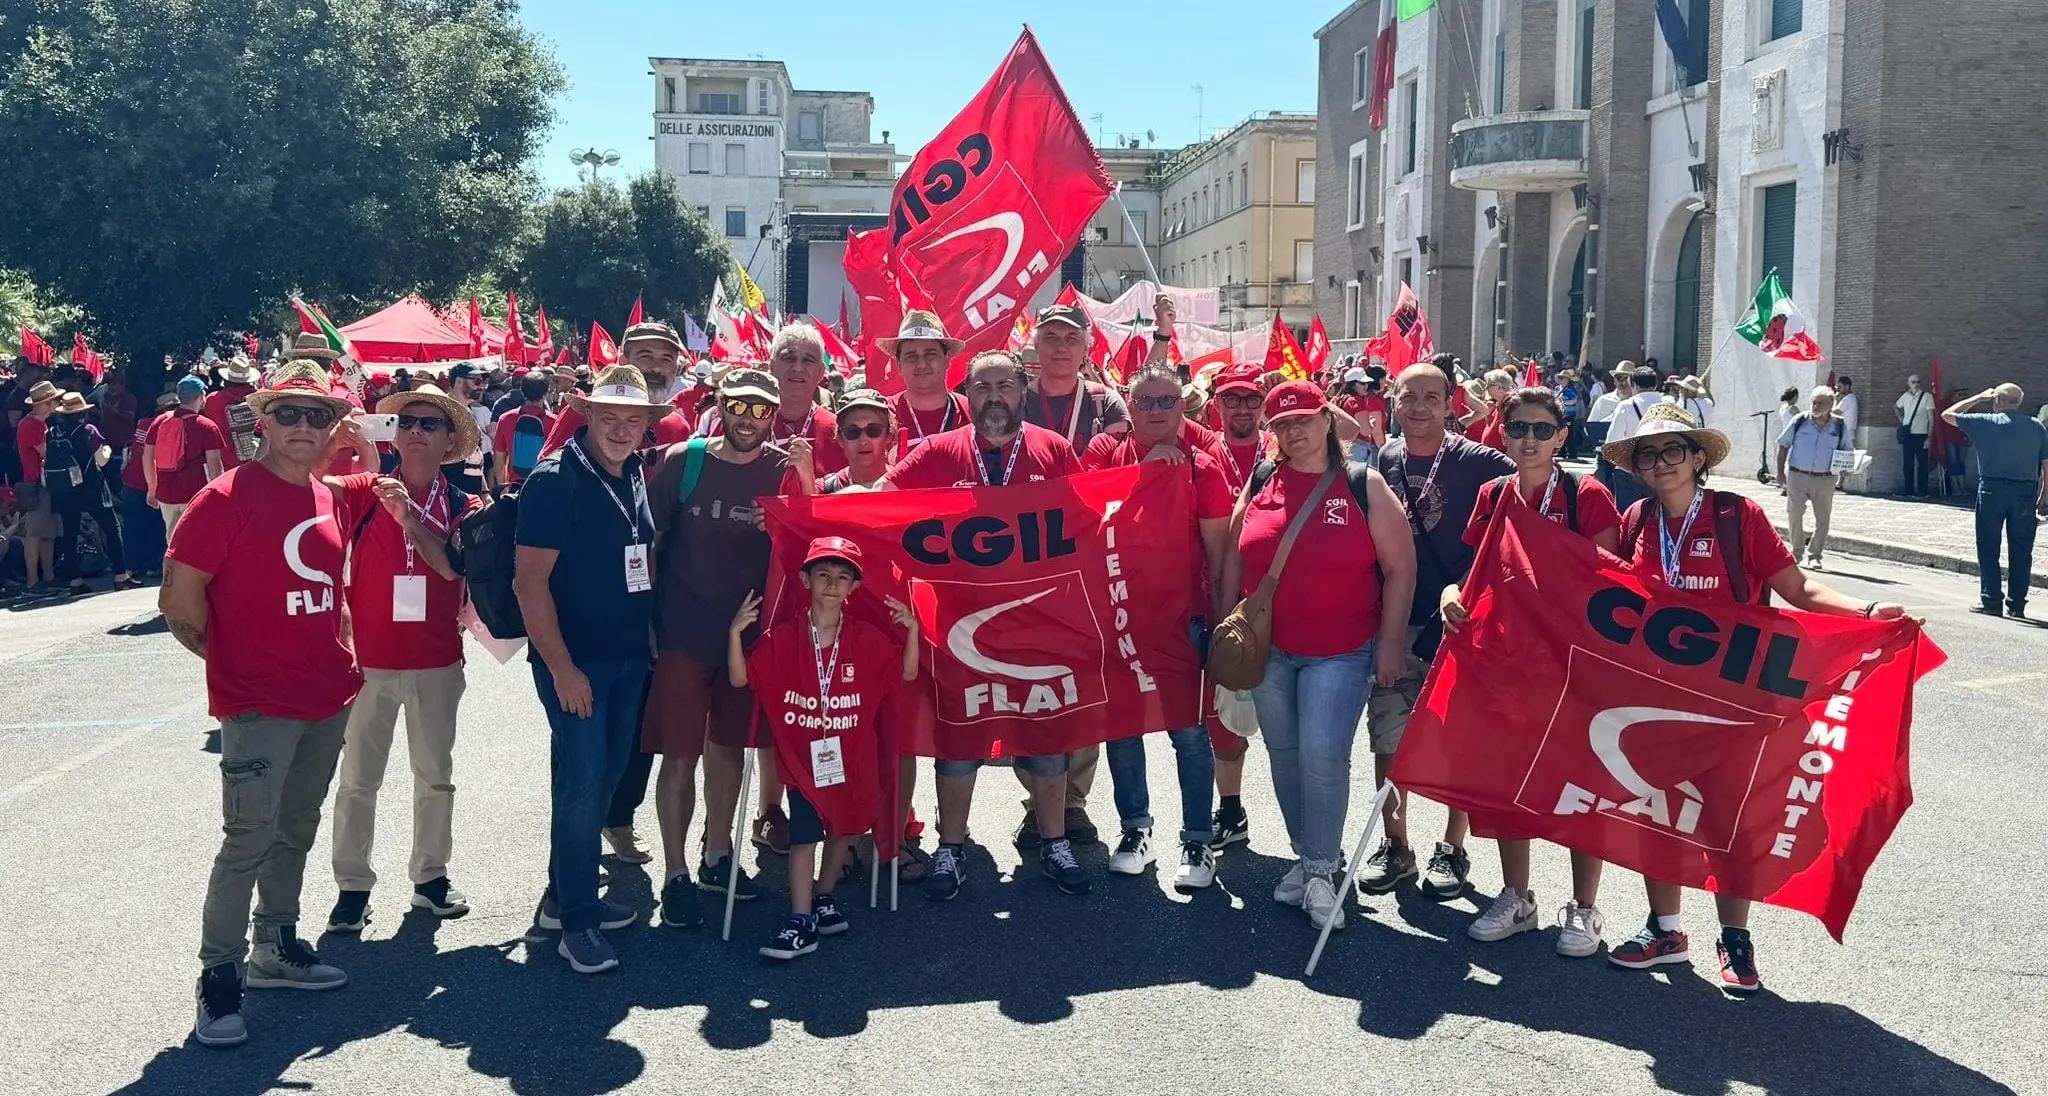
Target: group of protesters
{"x": 636, "y": 496}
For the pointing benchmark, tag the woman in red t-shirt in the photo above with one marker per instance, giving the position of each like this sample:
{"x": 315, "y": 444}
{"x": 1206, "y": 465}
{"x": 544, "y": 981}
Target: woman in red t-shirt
{"x": 1672, "y": 454}
{"x": 1329, "y": 604}
{"x": 1533, "y": 428}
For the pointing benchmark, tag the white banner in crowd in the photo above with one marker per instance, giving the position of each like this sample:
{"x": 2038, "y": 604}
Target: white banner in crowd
{"x": 1197, "y": 340}
{"x": 1192, "y": 305}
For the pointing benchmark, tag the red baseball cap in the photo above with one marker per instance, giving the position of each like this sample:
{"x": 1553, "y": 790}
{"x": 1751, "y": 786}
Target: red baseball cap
{"x": 1241, "y": 377}
{"x": 1291, "y": 398}
{"x": 838, "y": 548}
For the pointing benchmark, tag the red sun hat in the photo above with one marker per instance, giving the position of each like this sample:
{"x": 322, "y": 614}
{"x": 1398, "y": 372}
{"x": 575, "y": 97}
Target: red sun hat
{"x": 1242, "y": 377}
{"x": 838, "y": 548}
{"x": 1289, "y": 399}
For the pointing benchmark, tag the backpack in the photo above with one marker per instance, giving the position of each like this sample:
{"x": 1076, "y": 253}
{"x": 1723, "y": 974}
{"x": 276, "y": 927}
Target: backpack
{"x": 1727, "y": 509}
{"x": 1354, "y": 474}
{"x": 482, "y": 549}
{"x": 60, "y": 456}
{"x": 170, "y": 442}
{"x": 1835, "y": 424}
{"x": 693, "y": 468}
{"x": 242, "y": 430}
{"x": 529, "y": 435}
{"x": 1570, "y": 483}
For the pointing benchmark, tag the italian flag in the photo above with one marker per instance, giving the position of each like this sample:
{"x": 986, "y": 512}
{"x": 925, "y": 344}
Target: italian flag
{"x": 314, "y": 320}
{"x": 1776, "y": 326}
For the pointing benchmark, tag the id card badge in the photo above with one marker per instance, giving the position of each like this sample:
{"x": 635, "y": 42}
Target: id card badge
{"x": 828, "y": 767}
{"x": 637, "y": 577}
{"x": 408, "y": 598}
{"x": 77, "y": 477}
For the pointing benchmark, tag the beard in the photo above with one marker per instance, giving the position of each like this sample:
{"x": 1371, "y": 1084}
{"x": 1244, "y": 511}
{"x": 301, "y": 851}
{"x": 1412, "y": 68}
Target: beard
{"x": 745, "y": 442}
{"x": 996, "y": 418}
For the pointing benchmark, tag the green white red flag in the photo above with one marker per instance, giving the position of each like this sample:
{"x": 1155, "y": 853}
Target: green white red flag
{"x": 1776, "y": 325}
{"x": 351, "y": 371}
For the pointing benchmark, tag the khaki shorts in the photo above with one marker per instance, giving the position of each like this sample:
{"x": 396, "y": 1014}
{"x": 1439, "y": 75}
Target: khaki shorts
{"x": 1387, "y": 710}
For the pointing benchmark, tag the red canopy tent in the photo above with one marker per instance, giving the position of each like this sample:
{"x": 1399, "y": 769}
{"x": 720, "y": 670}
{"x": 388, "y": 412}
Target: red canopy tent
{"x": 408, "y": 332}
{"x": 456, "y": 316}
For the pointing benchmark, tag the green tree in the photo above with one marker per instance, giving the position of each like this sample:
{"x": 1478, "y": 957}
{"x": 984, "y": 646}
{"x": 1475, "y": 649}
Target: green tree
{"x": 598, "y": 248}
{"x": 177, "y": 167}
{"x": 22, "y": 304}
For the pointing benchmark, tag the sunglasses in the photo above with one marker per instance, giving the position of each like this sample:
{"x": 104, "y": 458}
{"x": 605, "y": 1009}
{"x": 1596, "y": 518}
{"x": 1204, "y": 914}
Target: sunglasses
{"x": 431, "y": 424}
{"x": 1155, "y": 403}
{"x": 1673, "y": 455}
{"x": 1544, "y": 431}
{"x": 849, "y": 432}
{"x": 749, "y": 409}
{"x": 291, "y": 414}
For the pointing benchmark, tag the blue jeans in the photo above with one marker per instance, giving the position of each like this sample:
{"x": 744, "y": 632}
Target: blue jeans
{"x": 2007, "y": 505}
{"x": 142, "y": 532}
{"x": 1195, "y": 763}
{"x": 585, "y": 760}
{"x": 1308, "y": 714}
{"x": 1049, "y": 765}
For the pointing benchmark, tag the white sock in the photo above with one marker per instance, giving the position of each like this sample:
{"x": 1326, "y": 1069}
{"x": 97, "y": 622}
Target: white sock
{"x": 679, "y": 873}
{"x": 1672, "y": 923}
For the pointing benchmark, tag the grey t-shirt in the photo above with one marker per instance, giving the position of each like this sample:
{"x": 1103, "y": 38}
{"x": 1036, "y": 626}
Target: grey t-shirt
{"x": 710, "y": 553}
{"x": 1439, "y": 510}
{"x": 2008, "y": 444}
{"x": 1100, "y": 409}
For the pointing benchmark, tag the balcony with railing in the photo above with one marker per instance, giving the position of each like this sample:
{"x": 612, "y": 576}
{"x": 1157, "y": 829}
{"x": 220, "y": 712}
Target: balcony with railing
{"x": 1266, "y": 295}
{"x": 1542, "y": 150}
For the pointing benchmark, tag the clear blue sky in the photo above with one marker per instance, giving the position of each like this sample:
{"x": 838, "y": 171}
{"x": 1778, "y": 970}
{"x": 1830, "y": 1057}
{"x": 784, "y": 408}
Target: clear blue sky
{"x": 1134, "y": 64}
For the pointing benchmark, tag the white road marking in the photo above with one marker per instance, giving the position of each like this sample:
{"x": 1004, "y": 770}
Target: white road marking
{"x": 2008, "y": 679}
{"x": 86, "y": 758}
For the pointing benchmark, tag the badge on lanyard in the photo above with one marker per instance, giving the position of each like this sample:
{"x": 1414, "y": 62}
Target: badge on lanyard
{"x": 408, "y": 598}
{"x": 638, "y": 579}
{"x": 828, "y": 765}
{"x": 77, "y": 476}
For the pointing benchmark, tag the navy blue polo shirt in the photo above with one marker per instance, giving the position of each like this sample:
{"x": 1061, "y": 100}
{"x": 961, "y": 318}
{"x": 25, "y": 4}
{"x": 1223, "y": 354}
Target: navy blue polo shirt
{"x": 571, "y": 505}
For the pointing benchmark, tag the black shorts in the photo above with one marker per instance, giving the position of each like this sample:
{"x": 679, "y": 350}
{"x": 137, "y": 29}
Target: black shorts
{"x": 805, "y": 827}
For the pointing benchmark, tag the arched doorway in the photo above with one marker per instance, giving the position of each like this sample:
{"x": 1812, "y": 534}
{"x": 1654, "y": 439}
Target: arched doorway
{"x": 1575, "y": 306}
{"x": 1685, "y": 304}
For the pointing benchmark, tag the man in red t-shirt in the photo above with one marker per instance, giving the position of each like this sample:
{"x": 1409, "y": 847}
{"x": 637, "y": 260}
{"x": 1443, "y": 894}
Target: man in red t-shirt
{"x": 403, "y": 598}
{"x": 522, "y": 433}
{"x": 175, "y": 467}
{"x": 924, "y": 409}
{"x": 229, "y": 410}
{"x": 249, "y": 586}
{"x": 1155, "y": 435}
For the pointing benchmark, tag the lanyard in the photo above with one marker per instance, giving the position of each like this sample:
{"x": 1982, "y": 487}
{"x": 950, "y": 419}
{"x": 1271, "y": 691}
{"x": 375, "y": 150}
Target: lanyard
{"x": 1414, "y": 519}
{"x": 945, "y": 424}
{"x": 1544, "y": 510}
{"x": 632, "y": 521}
{"x": 826, "y": 671}
{"x": 1672, "y": 547}
{"x": 1073, "y": 414}
{"x": 426, "y": 516}
{"x": 775, "y": 426}
{"x": 1236, "y": 473}
{"x": 1009, "y": 469}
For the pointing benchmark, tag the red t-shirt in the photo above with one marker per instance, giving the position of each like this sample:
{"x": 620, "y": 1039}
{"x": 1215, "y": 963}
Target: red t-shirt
{"x": 782, "y": 669}
{"x": 1700, "y": 567}
{"x": 663, "y": 432}
{"x": 179, "y": 485}
{"x": 1237, "y": 459}
{"x": 956, "y": 459}
{"x": 1193, "y": 435}
{"x": 1490, "y": 431}
{"x": 377, "y": 557}
{"x": 1214, "y": 499}
{"x": 1596, "y": 508}
{"x": 1371, "y": 413}
{"x": 504, "y": 433}
{"x": 274, "y": 626}
{"x": 131, "y": 468}
{"x": 216, "y": 409}
{"x": 1328, "y": 600}
{"x": 32, "y": 432}
{"x": 913, "y": 427}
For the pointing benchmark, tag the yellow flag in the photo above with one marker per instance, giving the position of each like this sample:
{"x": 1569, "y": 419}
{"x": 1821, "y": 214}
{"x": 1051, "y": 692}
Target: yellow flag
{"x": 750, "y": 294}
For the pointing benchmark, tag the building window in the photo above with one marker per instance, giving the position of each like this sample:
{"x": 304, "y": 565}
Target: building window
{"x": 717, "y": 103}
{"x": 1305, "y": 261}
{"x": 1582, "y": 79}
{"x": 1786, "y": 18}
{"x": 1500, "y": 72}
{"x": 1408, "y": 272}
{"x": 1227, "y": 271}
{"x": 1354, "y": 192}
{"x": 1351, "y": 310}
{"x": 1780, "y": 224}
{"x": 1698, "y": 32}
{"x": 668, "y": 94}
{"x": 735, "y": 159}
{"x": 1244, "y": 262}
{"x": 1138, "y": 222}
{"x": 809, "y": 127}
{"x": 1305, "y": 182}
{"x": 1244, "y": 183}
{"x": 1361, "y": 77}
{"x": 1229, "y": 190}
{"x": 700, "y": 158}
{"x": 736, "y": 221}
{"x": 1411, "y": 104}
{"x": 761, "y": 97}
{"x": 1685, "y": 304}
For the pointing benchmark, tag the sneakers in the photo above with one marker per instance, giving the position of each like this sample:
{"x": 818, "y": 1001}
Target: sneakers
{"x": 825, "y": 909}
{"x": 771, "y": 832}
{"x": 611, "y": 916}
{"x": 1388, "y": 866}
{"x": 1651, "y": 947}
{"x": 626, "y": 845}
{"x": 1197, "y": 867}
{"x": 679, "y": 904}
{"x": 288, "y": 962}
{"x": 1056, "y": 862}
{"x": 1026, "y": 836}
{"x": 798, "y": 937}
{"x": 587, "y": 952}
{"x": 219, "y": 993}
{"x": 1319, "y": 898}
{"x": 1230, "y": 829}
{"x": 1579, "y": 930}
{"x": 1133, "y": 854}
{"x": 1448, "y": 868}
{"x": 351, "y": 912}
{"x": 948, "y": 871}
{"x": 711, "y": 876}
{"x": 1738, "y": 962}
{"x": 1079, "y": 829}
{"x": 1509, "y": 915}
{"x": 912, "y": 864}
{"x": 438, "y": 898}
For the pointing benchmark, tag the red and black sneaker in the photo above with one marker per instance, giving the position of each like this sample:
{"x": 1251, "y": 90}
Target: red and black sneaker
{"x": 1738, "y": 962}
{"x": 1650, "y": 948}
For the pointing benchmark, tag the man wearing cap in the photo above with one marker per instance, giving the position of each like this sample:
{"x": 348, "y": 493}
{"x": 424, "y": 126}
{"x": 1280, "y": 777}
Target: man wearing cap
{"x": 646, "y": 346}
{"x": 40, "y": 526}
{"x": 867, "y": 443}
{"x": 403, "y": 597}
{"x": 584, "y": 575}
{"x": 796, "y": 358}
{"x": 182, "y": 452}
{"x": 1059, "y": 399}
{"x": 249, "y": 586}
{"x": 1628, "y": 415}
{"x": 924, "y": 409}
{"x": 229, "y": 410}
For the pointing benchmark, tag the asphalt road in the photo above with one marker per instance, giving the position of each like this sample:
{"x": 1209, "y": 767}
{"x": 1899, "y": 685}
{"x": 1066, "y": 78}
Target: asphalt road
{"x": 109, "y": 816}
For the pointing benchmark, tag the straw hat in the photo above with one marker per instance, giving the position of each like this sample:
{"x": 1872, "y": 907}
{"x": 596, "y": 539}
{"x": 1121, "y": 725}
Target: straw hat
{"x": 300, "y": 378}
{"x": 311, "y": 345}
{"x": 73, "y": 404}
{"x": 1690, "y": 385}
{"x": 43, "y": 392}
{"x": 238, "y": 371}
{"x": 1662, "y": 421}
{"x": 467, "y": 437}
{"x": 920, "y": 324}
{"x": 617, "y": 386}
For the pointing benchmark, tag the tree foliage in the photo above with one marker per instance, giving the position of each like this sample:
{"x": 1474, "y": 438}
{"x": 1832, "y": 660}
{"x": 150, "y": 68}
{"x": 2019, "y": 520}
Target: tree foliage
{"x": 597, "y": 248}
{"x": 176, "y": 167}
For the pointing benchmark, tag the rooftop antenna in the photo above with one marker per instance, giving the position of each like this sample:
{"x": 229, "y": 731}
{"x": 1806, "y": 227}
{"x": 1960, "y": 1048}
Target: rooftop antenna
{"x": 1200, "y": 133}
{"x": 1097, "y": 119}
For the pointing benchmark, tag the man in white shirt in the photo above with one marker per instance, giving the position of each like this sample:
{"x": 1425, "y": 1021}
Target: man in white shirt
{"x": 1691, "y": 394}
{"x": 1915, "y": 408}
{"x": 1847, "y": 408}
{"x": 1628, "y": 414}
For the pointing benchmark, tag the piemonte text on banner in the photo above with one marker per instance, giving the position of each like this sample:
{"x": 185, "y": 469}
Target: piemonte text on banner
{"x": 1751, "y": 751}
{"x": 1053, "y": 615}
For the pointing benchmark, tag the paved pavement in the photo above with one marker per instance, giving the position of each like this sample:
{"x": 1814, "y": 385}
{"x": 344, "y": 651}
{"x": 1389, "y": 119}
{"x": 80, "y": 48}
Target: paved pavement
{"x": 109, "y": 819}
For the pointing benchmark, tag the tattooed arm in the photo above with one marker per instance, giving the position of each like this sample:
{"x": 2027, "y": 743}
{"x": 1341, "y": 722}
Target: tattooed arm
{"x": 183, "y": 603}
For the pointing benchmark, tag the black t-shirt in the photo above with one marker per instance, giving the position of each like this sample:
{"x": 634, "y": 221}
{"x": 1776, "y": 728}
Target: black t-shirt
{"x": 1439, "y": 510}
{"x": 579, "y": 511}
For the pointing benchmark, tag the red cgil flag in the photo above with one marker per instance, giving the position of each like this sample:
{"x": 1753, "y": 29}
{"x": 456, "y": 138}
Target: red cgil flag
{"x": 845, "y": 328}
{"x": 476, "y": 329}
{"x": 1283, "y": 354}
{"x": 515, "y": 332}
{"x": 1130, "y": 357}
{"x": 603, "y": 351}
{"x": 34, "y": 350}
{"x": 1408, "y": 339}
{"x": 1318, "y": 348}
{"x": 1751, "y": 751}
{"x": 544, "y": 343}
{"x": 639, "y": 312}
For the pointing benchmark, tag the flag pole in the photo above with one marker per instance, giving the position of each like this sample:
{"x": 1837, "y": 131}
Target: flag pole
{"x": 1372, "y": 823}
{"x": 1116, "y": 195}
{"x": 739, "y": 829}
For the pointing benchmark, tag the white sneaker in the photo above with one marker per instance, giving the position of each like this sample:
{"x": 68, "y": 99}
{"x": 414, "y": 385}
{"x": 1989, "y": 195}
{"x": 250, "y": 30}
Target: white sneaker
{"x": 1581, "y": 928}
{"x": 1509, "y": 914}
{"x": 1197, "y": 867}
{"x": 1133, "y": 854}
{"x": 1319, "y": 898}
{"x": 1292, "y": 886}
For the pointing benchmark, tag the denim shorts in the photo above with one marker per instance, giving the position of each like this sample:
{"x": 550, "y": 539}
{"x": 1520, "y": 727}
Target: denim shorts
{"x": 1051, "y": 765}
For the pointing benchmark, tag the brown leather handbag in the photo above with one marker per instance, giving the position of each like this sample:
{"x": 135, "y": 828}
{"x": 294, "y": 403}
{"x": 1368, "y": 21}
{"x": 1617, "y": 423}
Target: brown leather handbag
{"x": 1239, "y": 646}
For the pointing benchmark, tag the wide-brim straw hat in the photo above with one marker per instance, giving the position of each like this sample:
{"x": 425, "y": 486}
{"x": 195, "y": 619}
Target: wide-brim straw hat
{"x": 43, "y": 392}
{"x": 73, "y": 404}
{"x": 467, "y": 437}
{"x": 310, "y": 345}
{"x": 617, "y": 386}
{"x": 300, "y": 378}
{"x": 238, "y": 371}
{"x": 1667, "y": 420}
{"x": 920, "y": 324}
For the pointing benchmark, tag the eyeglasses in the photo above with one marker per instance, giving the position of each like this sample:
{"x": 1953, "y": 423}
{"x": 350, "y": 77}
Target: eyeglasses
{"x": 1645, "y": 459}
{"x": 431, "y": 424}
{"x": 849, "y": 432}
{"x": 1544, "y": 431}
{"x": 1155, "y": 403}
{"x": 749, "y": 409}
{"x": 291, "y": 414}
{"x": 1238, "y": 401}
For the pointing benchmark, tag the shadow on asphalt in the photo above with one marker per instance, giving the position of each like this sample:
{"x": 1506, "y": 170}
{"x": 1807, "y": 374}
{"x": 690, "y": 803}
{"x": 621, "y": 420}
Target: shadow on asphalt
{"x": 522, "y": 1015}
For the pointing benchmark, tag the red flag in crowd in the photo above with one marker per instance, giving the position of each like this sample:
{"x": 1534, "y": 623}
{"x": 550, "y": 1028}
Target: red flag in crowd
{"x": 845, "y": 327}
{"x": 250, "y": 344}
{"x": 562, "y": 357}
{"x": 1532, "y": 377}
{"x": 476, "y": 329}
{"x": 1130, "y": 357}
{"x": 544, "y": 342}
{"x": 1284, "y": 355}
{"x": 515, "y": 333}
{"x": 1382, "y": 77}
{"x": 1020, "y": 333}
{"x": 1318, "y": 348}
{"x": 603, "y": 351}
{"x": 839, "y": 353}
{"x": 1752, "y": 751}
{"x": 83, "y": 357}
{"x": 639, "y": 313}
{"x": 1408, "y": 339}
{"x": 874, "y": 289}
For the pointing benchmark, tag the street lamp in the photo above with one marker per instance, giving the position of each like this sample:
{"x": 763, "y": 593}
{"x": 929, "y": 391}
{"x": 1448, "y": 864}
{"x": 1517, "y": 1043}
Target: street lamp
{"x": 593, "y": 159}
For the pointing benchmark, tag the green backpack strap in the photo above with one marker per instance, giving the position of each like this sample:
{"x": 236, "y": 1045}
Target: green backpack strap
{"x": 693, "y": 467}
